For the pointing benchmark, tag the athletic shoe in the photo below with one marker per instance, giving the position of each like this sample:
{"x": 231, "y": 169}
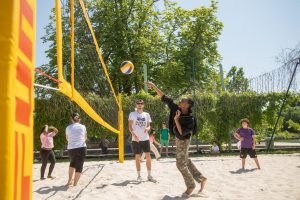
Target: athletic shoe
{"x": 139, "y": 179}
{"x": 151, "y": 179}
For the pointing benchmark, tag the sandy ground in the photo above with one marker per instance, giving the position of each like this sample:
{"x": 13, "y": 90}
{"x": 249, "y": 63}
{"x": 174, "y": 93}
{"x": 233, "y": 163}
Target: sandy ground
{"x": 278, "y": 179}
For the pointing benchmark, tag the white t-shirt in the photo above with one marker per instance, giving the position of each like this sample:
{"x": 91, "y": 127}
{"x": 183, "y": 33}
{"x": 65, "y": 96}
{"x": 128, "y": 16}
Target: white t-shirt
{"x": 140, "y": 121}
{"x": 76, "y": 135}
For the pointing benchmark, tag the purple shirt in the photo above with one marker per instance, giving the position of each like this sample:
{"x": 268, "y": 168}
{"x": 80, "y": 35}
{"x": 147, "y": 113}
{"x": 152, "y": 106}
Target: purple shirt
{"x": 247, "y": 134}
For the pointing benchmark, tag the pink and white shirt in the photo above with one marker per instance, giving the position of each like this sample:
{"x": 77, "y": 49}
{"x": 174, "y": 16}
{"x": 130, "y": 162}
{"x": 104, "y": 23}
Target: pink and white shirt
{"x": 151, "y": 138}
{"x": 47, "y": 140}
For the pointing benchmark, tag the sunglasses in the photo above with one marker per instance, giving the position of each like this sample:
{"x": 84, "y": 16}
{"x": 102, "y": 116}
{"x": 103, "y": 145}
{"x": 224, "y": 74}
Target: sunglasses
{"x": 140, "y": 103}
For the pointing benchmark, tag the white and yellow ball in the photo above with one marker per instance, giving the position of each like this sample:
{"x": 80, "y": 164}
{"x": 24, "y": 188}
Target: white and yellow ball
{"x": 127, "y": 67}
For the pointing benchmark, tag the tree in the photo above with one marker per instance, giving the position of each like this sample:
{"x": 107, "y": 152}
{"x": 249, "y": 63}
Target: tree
{"x": 236, "y": 80}
{"x": 168, "y": 40}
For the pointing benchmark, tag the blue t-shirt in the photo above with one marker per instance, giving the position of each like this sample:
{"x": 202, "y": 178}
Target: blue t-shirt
{"x": 247, "y": 134}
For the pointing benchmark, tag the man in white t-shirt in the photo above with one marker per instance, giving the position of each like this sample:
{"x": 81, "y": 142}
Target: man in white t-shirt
{"x": 139, "y": 126}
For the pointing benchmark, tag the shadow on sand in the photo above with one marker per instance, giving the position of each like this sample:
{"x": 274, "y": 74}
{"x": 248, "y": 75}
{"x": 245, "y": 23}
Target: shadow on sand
{"x": 47, "y": 190}
{"x": 54, "y": 189}
{"x": 174, "y": 161}
{"x": 128, "y": 182}
{"x": 102, "y": 186}
{"x": 241, "y": 171}
{"x": 167, "y": 197}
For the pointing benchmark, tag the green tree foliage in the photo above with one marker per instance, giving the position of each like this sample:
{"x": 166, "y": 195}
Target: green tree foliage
{"x": 236, "y": 81}
{"x": 218, "y": 115}
{"x": 168, "y": 39}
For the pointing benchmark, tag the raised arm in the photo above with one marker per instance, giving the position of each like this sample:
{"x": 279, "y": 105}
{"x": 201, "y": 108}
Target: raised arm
{"x": 164, "y": 98}
{"x": 157, "y": 90}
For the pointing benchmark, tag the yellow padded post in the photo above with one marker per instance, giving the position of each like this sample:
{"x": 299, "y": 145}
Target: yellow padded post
{"x": 17, "y": 47}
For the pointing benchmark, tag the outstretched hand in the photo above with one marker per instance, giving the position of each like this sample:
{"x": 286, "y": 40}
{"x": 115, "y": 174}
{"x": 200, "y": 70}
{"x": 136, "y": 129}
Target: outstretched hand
{"x": 150, "y": 84}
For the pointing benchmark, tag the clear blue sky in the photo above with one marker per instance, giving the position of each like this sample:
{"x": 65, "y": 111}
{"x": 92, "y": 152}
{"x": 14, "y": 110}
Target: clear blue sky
{"x": 255, "y": 31}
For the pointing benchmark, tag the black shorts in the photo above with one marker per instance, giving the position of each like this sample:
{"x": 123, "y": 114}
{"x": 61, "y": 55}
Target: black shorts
{"x": 251, "y": 152}
{"x": 141, "y": 146}
{"x": 77, "y": 157}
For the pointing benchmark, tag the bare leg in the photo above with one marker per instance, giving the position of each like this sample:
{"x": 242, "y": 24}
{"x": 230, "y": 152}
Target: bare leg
{"x": 161, "y": 149}
{"x": 77, "y": 177}
{"x": 148, "y": 161}
{"x": 257, "y": 163}
{"x": 167, "y": 151}
{"x": 138, "y": 162}
{"x": 71, "y": 172}
{"x": 202, "y": 184}
{"x": 243, "y": 163}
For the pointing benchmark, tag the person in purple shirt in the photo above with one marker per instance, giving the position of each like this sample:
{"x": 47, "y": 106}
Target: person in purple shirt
{"x": 246, "y": 135}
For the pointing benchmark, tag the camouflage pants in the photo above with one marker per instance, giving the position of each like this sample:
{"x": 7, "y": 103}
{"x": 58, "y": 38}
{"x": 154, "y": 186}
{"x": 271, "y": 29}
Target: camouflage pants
{"x": 185, "y": 165}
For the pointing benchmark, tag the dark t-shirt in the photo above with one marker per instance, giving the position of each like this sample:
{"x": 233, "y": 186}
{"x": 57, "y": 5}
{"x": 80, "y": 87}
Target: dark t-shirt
{"x": 188, "y": 122}
{"x": 247, "y": 134}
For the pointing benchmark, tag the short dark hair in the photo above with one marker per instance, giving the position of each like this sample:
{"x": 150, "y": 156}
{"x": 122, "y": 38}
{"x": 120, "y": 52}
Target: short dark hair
{"x": 139, "y": 101}
{"x": 189, "y": 101}
{"x": 245, "y": 120}
{"x": 75, "y": 116}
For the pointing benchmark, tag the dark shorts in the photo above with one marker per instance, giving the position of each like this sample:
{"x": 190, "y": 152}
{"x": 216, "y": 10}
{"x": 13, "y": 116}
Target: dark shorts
{"x": 141, "y": 146}
{"x": 77, "y": 157}
{"x": 251, "y": 152}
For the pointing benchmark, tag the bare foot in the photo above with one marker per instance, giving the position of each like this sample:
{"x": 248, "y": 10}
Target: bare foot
{"x": 202, "y": 184}
{"x": 188, "y": 192}
{"x": 69, "y": 184}
{"x": 52, "y": 177}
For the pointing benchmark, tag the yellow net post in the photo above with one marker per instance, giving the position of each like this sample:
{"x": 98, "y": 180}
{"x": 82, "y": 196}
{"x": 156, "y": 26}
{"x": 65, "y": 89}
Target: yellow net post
{"x": 72, "y": 46}
{"x": 17, "y": 47}
{"x": 121, "y": 129}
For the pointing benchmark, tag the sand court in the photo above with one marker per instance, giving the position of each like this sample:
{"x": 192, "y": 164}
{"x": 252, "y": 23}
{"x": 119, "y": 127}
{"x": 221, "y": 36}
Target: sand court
{"x": 109, "y": 180}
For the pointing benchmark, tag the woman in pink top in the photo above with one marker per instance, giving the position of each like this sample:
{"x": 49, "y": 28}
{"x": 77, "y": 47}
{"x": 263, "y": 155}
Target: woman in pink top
{"x": 46, "y": 152}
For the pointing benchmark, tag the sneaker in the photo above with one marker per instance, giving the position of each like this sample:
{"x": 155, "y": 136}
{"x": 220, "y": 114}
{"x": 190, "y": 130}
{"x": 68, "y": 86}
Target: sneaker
{"x": 139, "y": 179}
{"x": 151, "y": 179}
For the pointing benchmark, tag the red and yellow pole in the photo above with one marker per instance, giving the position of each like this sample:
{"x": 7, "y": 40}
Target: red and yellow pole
{"x": 17, "y": 43}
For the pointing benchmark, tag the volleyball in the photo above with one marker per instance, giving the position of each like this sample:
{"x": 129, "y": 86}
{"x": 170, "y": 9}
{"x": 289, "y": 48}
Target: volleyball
{"x": 127, "y": 67}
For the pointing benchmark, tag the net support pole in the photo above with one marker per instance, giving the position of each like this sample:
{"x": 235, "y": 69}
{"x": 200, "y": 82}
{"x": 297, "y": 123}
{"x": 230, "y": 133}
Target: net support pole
{"x": 59, "y": 40}
{"x": 283, "y": 103}
{"x": 72, "y": 46}
{"x": 121, "y": 128}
